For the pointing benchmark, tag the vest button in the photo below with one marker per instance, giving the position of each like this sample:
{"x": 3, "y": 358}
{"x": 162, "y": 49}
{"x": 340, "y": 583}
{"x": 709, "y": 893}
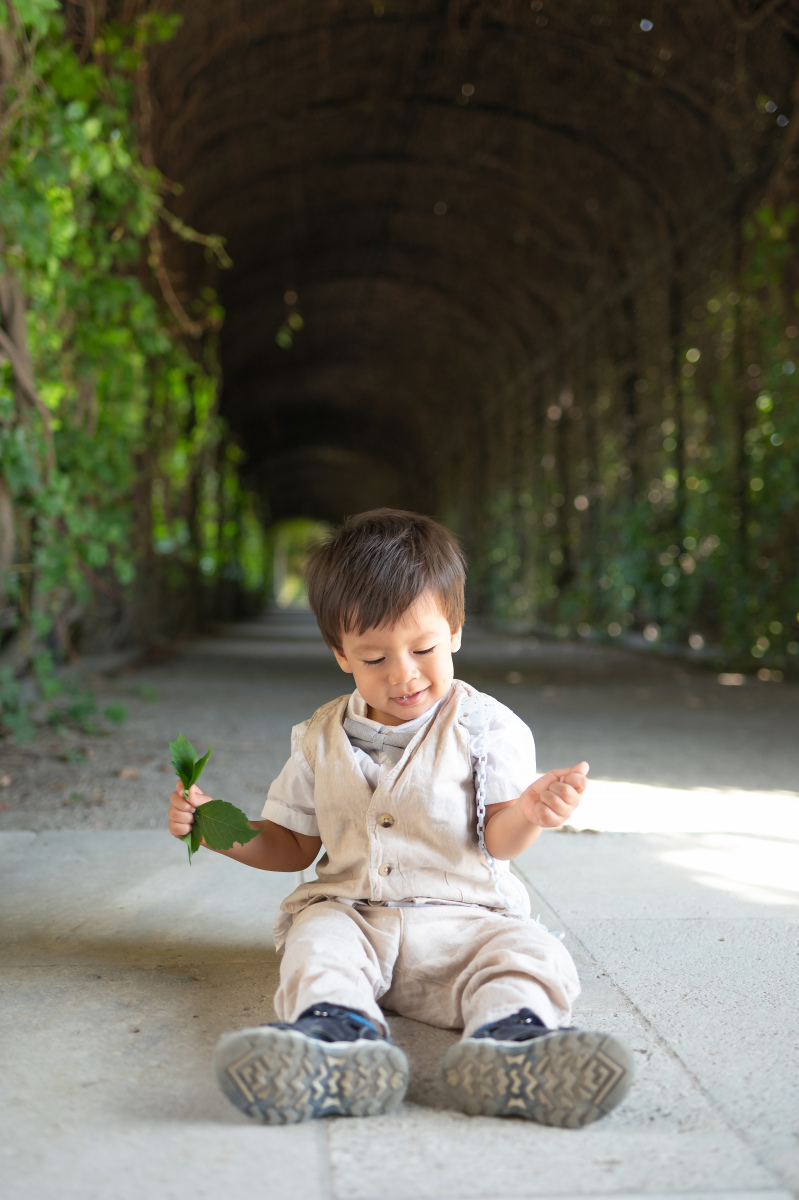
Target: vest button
{"x": 386, "y": 820}
{"x": 385, "y": 869}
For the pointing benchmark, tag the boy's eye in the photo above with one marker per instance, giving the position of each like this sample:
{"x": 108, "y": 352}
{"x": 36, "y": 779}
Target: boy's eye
{"x": 429, "y": 650}
{"x": 372, "y": 662}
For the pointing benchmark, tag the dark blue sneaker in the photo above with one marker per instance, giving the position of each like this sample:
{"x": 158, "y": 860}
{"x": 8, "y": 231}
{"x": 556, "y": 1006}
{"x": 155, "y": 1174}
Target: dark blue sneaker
{"x": 517, "y": 1067}
{"x": 331, "y": 1061}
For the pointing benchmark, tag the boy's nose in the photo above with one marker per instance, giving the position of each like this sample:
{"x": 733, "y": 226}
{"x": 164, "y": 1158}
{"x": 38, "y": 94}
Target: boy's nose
{"x": 403, "y": 673}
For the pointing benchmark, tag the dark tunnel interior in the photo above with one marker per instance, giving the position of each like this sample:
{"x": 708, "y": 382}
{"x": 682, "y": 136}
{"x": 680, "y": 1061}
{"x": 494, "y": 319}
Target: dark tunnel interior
{"x": 433, "y": 205}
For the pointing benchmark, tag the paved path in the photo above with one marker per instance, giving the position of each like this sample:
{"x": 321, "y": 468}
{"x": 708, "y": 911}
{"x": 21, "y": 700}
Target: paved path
{"x": 121, "y": 966}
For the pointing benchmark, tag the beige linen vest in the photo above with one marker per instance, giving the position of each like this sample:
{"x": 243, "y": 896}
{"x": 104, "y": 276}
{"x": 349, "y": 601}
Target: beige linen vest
{"x": 415, "y": 837}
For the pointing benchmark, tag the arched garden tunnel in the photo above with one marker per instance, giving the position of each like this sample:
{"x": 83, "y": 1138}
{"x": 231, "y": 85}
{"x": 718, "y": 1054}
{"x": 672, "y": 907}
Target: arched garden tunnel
{"x": 509, "y": 263}
{"x": 530, "y": 267}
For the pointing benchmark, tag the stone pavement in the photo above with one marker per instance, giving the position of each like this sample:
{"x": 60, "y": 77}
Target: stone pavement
{"x": 121, "y": 965}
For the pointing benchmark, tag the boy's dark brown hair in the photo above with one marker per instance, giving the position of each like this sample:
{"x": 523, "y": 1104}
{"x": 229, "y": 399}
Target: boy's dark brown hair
{"x": 371, "y": 570}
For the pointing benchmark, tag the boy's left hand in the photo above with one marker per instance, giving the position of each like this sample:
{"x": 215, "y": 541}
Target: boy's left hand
{"x": 551, "y": 800}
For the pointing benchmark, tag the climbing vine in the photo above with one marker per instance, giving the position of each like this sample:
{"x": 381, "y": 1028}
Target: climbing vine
{"x": 683, "y": 528}
{"x": 120, "y": 506}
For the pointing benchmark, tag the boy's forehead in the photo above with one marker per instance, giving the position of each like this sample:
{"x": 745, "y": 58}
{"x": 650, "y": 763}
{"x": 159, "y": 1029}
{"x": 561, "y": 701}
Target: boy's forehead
{"x": 423, "y": 616}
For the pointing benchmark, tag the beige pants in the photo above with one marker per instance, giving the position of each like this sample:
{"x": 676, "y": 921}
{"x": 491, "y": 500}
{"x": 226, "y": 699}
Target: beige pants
{"x": 449, "y": 966}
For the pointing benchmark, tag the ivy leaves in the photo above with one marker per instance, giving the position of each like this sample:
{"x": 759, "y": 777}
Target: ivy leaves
{"x": 122, "y": 438}
{"x": 219, "y": 823}
{"x": 37, "y": 13}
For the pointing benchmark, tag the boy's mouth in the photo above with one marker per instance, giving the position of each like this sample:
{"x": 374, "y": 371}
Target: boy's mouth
{"x": 410, "y": 699}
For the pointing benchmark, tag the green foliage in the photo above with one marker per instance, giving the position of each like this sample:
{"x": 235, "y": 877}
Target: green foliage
{"x": 703, "y": 552}
{"x": 120, "y": 466}
{"x": 193, "y": 839}
{"x": 185, "y": 763}
{"x": 188, "y": 768}
{"x": 116, "y": 713}
{"x": 13, "y": 710}
{"x": 222, "y": 825}
{"x": 219, "y": 823}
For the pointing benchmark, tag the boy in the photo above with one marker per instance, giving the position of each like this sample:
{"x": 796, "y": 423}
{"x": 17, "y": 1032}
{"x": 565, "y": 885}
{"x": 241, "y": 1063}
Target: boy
{"x": 418, "y": 787}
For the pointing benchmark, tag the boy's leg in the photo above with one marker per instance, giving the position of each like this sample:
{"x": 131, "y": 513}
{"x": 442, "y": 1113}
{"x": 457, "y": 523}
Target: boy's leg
{"x": 465, "y": 967}
{"x": 516, "y": 964}
{"x": 334, "y": 955}
{"x": 511, "y": 985}
{"x": 331, "y": 1055}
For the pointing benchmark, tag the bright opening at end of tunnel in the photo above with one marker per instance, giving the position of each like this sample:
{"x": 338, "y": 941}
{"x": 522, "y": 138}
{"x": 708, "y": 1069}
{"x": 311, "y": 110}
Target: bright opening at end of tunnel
{"x": 291, "y": 541}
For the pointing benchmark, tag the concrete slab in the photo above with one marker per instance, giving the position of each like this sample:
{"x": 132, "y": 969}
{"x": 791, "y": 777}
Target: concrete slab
{"x": 701, "y": 933}
{"x": 665, "y": 875}
{"x": 120, "y": 965}
{"x": 454, "y": 1155}
{"x": 131, "y": 897}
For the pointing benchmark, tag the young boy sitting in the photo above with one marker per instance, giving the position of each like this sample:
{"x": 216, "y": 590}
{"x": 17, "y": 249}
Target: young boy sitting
{"x": 419, "y": 789}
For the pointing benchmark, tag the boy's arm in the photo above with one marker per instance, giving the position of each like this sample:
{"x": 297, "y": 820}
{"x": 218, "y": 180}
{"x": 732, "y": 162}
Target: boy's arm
{"x": 275, "y": 849}
{"x": 545, "y": 804}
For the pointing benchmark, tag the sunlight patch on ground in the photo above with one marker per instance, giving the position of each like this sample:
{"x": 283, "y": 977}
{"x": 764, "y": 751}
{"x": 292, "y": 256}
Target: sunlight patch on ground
{"x": 754, "y": 868}
{"x": 618, "y": 807}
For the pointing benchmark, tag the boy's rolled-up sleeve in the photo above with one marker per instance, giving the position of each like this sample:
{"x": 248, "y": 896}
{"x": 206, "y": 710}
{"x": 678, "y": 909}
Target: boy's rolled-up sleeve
{"x": 510, "y": 756}
{"x": 290, "y": 800}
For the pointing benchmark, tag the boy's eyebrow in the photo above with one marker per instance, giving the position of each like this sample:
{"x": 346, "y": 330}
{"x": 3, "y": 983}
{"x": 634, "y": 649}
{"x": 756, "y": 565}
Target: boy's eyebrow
{"x": 424, "y": 636}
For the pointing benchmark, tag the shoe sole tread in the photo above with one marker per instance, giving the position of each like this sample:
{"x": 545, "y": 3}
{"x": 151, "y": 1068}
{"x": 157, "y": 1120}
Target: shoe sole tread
{"x": 282, "y": 1077}
{"x": 567, "y": 1078}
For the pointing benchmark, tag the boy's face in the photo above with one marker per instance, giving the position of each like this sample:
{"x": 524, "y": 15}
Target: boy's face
{"x": 402, "y": 670}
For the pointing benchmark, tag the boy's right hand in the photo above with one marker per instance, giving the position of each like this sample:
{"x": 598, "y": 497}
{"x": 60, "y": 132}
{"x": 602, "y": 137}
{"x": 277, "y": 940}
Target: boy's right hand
{"x": 181, "y": 808}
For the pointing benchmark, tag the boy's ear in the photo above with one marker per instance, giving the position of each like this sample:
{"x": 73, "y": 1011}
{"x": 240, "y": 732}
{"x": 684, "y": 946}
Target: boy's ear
{"x": 455, "y": 639}
{"x": 343, "y": 661}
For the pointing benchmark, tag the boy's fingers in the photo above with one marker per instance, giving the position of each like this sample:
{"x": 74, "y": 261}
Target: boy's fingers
{"x": 577, "y": 783}
{"x": 558, "y": 805}
{"x": 581, "y": 768}
{"x": 562, "y": 789}
{"x": 545, "y": 781}
{"x": 548, "y": 818}
{"x": 557, "y": 774}
{"x": 181, "y": 821}
{"x": 180, "y": 803}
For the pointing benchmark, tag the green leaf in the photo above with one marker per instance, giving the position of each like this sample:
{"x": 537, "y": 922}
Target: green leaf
{"x": 193, "y": 840}
{"x": 198, "y": 766}
{"x": 222, "y": 825}
{"x": 187, "y": 766}
{"x": 183, "y": 757}
{"x": 37, "y": 13}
